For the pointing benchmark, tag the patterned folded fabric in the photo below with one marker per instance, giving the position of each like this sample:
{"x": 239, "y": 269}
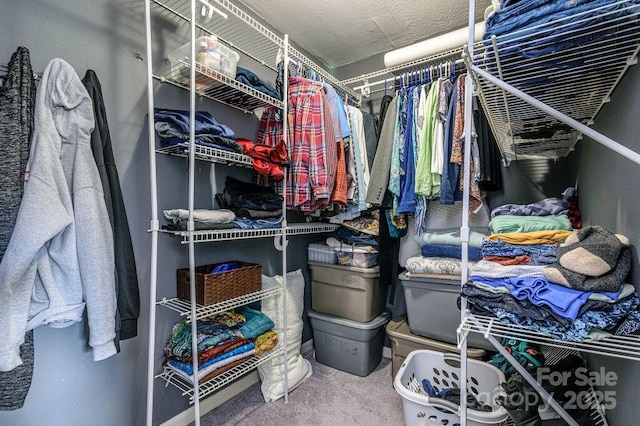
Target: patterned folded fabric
{"x": 434, "y": 265}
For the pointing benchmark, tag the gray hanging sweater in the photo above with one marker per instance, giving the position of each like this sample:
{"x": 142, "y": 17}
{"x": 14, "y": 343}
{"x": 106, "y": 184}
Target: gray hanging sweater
{"x": 61, "y": 252}
{"x": 17, "y": 100}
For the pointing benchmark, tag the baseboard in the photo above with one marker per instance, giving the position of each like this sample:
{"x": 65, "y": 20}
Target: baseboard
{"x": 386, "y": 352}
{"x": 306, "y": 346}
{"x": 188, "y": 416}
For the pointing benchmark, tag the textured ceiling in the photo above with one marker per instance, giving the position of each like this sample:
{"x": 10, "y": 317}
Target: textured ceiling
{"x": 339, "y": 32}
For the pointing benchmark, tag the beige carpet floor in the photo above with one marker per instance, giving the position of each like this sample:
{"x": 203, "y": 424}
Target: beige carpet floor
{"x": 329, "y": 397}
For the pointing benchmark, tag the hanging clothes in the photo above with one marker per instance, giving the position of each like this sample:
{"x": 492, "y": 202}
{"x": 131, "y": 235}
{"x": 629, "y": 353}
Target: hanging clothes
{"x": 126, "y": 276}
{"x": 370, "y": 136}
{"x": 339, "y": 120}
{"x": 310, "y": 184}
{"x": 379, "y": 178}
{"x": 457, "y": 151}
{"x": 449, "y": 187}
{"x": 359, "y": 156}
{"x": 490, "y": 166}
{"x": 427, "y": 181}
{"x": 396, "y": 169}
{"x": 407, "y": 199}
{"x": 64, "y": 252}
{"x": 17, "y": 102}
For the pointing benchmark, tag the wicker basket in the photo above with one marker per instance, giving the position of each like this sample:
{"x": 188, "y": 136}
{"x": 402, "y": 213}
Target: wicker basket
{"x": 214, "y": 288}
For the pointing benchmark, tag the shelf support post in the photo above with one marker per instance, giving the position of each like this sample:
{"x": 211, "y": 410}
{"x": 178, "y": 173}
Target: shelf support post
{"x": 154, "y": 220}
{"x": 464, "y": 226}
{"x": 285, "y": 134}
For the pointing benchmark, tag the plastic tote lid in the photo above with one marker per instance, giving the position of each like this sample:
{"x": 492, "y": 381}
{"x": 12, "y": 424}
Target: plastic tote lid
{"x": 377, "y": 322}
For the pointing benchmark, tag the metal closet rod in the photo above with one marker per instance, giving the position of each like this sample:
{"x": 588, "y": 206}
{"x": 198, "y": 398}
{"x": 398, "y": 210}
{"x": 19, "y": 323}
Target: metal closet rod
{"x": 407, "y": 74}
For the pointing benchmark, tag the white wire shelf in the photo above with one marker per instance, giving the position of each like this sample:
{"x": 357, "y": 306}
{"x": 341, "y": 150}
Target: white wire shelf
{"x": 574, "y": 75}
{"x": 310, "y": 228}
{"x": 205, "y": 153}
{"x": 239, "y": 234}
{"x": 217, "y": 86}
{"x": 627, "y": 347}
{"x": 183, "y": 307}
{"x": 239, "y": 31}
{"x": 243, "y": 17}
{"x": 187, "y": 387}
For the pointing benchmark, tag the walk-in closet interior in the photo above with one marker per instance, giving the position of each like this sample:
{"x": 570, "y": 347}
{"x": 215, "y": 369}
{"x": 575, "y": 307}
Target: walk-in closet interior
{"x": 319, "y": 193}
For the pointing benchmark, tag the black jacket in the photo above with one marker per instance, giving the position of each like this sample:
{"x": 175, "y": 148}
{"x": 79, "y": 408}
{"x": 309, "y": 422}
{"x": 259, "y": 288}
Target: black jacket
{"x": 126, "y": 275}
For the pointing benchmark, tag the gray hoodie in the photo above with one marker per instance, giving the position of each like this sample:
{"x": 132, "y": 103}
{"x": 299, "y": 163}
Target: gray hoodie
{"x": 60, "y": 255}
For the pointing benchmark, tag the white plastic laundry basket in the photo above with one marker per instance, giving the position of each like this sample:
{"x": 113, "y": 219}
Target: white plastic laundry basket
{"x": 443, "y": 371}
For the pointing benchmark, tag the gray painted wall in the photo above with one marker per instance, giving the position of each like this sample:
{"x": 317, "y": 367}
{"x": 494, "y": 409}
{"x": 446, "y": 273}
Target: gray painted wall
{"x": 108, "y": 36}
{"x": 608, "y": 188}
{"x": 68, "y": 387}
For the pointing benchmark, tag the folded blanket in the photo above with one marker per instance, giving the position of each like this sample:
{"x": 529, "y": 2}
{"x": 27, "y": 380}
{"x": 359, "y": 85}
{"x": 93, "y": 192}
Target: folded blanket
{"x": 546, "y": 207}
{"x": 249, "y": 78}
{"x": 539, "y": 254}
{"x": 212, "y": 333}
{"x": 202, "y": 216}
{"x": 506, "y": 223}
{"x": 488, "y": 269}
{"x": 487, "y": 298}
{"x": 434, "y": 265}
{"x": 451, "y": 236}
{"x": 444, "y": 250}
{"x": 215, "y": 351}
{"x": 537, "y": 290}
{"x": 179, "y": 121}
{"x": 215, "y": 361}
{"x": 509, "y": 260}
{"x": 575, "y": 331}
{"x": 205, "y": 371}
{"x": 536, "y": 237}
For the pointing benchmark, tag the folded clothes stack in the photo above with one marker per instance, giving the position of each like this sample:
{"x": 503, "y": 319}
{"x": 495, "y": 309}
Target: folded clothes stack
{"x": 203, "y": 219}
{"x": 255, "y": 206}
{"x": 224, "y": 341}
{"x": 581, "y": 295}
{"x": 249, "y": 78}
{"x": 173, "y": 127}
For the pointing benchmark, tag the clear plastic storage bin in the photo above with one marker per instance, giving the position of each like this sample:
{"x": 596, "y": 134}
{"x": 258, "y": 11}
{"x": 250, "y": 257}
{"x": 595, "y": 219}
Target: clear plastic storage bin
{"x": 322, "y": 253}
{"x": 357, "y": 258}
{"x": 211, "y": 56}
